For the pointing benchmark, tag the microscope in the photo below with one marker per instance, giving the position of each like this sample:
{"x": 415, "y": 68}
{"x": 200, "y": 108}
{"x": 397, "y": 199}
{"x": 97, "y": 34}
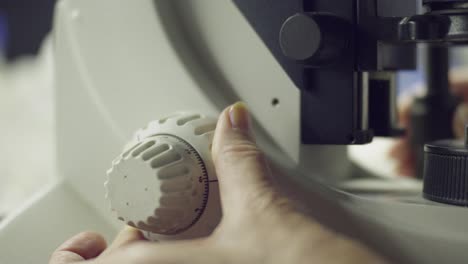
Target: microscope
{"x": 318, "y": 75}
{"x": 343, "y": 57}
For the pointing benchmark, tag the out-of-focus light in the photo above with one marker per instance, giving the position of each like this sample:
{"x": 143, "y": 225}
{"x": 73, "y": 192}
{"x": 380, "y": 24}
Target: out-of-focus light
{"x": 3, "y": 33}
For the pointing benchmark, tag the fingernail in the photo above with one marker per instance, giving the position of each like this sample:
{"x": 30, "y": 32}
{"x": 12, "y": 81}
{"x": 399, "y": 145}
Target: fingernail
{"x": 127, "y": 230}
{"x": 239, "y": 116}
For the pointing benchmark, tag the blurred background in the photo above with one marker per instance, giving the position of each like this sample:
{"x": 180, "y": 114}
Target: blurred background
{"x": 26, "y": 100}
{"x": 23, "y": 26}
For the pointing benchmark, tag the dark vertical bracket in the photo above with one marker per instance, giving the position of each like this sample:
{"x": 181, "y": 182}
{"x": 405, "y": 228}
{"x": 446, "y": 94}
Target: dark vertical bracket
{"x": 331, "y": 105}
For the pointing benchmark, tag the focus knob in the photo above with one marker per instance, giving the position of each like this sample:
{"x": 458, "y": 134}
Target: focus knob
{"x": 315, "y": 39}
{"x": 164, "y": 182}
{"x": 446, "y": 171}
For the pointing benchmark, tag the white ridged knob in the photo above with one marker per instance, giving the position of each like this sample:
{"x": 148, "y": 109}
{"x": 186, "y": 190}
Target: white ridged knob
{"x": 164, "y": 182}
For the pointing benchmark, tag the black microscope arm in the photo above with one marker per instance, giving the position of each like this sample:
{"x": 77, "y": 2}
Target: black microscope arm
{"x": 332, "y": 50}
{"x": 327, "y": 53}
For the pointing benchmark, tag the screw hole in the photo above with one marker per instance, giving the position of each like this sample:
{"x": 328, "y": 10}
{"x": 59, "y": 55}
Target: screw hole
{"x": 128, "y": 204}
{"x": 146, "y": 189}
{"x": 275, "y": 102}
{"x": 125, "y": 177}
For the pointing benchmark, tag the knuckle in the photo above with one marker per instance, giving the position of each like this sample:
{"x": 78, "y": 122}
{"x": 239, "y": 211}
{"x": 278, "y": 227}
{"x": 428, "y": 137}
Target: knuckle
{"x": 241, "y": 150}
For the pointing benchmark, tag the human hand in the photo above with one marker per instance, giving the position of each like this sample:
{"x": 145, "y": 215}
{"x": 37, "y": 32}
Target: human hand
{"x": 403, "y": 151}
{"x": 259, "y": 224}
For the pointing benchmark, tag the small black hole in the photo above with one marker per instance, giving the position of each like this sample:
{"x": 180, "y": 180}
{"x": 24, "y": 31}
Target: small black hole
{"x": 128, "y": 204}
{"x": 146, "y": 189}
{"x": 275, "y": 102}
{"x": 125, "y": 177}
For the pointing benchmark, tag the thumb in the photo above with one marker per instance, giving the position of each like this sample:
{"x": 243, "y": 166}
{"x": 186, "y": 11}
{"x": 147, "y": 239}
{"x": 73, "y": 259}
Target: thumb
{"x": 127, "y": 236}
{"x": 242, "y": 169}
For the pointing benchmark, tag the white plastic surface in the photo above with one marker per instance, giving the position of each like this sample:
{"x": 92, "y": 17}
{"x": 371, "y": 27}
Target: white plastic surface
{"x": 27, "y": 135}
{"x": 31, "y": 233}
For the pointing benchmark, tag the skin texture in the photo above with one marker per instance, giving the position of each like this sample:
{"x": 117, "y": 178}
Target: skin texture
{"x": 403, "y": 152}
{"x": 259, "y": 224}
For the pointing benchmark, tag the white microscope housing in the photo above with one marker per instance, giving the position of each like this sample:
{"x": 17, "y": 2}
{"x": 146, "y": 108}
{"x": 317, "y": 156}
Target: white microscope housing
{"x": 121, "y": 64}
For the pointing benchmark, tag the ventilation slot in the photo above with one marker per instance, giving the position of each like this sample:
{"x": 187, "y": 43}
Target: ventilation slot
{"x": 172, "y": 172}
{"x": 143, "y": 226}
{"x": 205, "y": 129}
{"x": 126, "y": 153}
{"x": 176, "y": 185}
{"x": 169, "y": 213}
{"x": 154, "y": 152}
{"x": 153, "y": 221}
{"x": 187, "y": 119}
{"x": 165, "y": 159}
{"x": 163, "y": 120}
{"x": 130, "y": 223}
{"x": 174, "y": 201}
{"x": 142, "y": 148}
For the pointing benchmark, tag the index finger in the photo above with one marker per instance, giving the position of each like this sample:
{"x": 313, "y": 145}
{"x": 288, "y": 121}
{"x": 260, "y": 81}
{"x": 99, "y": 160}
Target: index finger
{"x": 81, "y": 247}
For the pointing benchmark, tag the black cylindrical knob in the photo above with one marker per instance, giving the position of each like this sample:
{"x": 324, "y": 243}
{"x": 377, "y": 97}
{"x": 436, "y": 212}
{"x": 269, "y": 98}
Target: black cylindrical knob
{"x": 315, "y": 39}
{"x": 446, "y": 171}
{"x": 445, "y": 4}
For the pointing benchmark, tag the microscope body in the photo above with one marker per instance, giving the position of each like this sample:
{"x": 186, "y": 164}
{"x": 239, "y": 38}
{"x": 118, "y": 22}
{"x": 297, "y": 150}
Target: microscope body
{"x": 342, "y": 55}
{"x": 121, "y": 64}
{"x": 186, "y": 48}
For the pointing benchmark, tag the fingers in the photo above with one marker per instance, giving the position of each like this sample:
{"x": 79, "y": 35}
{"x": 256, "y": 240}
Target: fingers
{"x": 402, "y": 151}
{"x": 459, "y": 86}
{"x": 89, "y": 245}
{"x": 459, "y": 82}
{"x": 460, "y": 120}
{"x": 241, "y": 167}
{"x": 404, "y": 114}
{"x": 126, "y": 236}
{"x": 404, "y": 154}
{"x": 81, "y": 247}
